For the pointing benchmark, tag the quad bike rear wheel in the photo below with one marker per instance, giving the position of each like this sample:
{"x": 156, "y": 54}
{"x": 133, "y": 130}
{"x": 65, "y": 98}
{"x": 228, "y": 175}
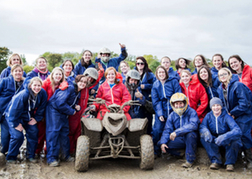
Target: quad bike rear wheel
{"x": 146, "y": 152}
{"x": 82, "y": 154}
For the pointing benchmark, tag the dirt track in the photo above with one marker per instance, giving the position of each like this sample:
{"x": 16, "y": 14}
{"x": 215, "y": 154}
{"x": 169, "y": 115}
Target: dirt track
{"x": 119, "y": 168}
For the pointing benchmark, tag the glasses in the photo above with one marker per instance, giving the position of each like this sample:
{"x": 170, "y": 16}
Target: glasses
{"x": 224, "y": 74}
{"x": 140, "y": 63}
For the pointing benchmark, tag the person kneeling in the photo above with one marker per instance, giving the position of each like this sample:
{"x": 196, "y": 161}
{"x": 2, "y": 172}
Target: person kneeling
{"x": 219, "y": 130}
{"x": 181, "y": 130}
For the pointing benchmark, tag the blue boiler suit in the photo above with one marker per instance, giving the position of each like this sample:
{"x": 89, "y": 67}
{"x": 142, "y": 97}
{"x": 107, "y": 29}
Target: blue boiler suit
{"x": 185, "y": 127}
{"x": 7, "y": 91}
{"x": 239, "y": 104}
{"x": 19, "y": 111}
{"x": 161, "y": 94}
{"x": 221, "y": 131}
{"x": 60, "y": 105}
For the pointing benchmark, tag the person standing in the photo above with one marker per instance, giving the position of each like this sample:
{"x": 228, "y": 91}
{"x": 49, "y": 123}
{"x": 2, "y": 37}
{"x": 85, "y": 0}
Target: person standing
{"x": 163, "y": 88}
{"x": 9, "y": 87}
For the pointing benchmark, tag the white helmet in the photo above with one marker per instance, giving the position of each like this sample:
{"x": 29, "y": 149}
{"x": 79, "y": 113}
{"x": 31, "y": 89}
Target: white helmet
{"x": 134, "y": 74}
{"x": 105, "y": 50}
{"x": 92, "y": 72}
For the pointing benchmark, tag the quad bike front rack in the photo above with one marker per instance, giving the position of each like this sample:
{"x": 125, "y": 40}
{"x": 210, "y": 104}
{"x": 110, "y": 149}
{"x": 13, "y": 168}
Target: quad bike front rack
{"x": 116, "y": 144}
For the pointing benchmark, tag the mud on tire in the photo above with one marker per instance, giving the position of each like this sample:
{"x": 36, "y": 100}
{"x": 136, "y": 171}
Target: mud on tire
{"x": 82, "y": 154}
{"x": 146, "y": 152}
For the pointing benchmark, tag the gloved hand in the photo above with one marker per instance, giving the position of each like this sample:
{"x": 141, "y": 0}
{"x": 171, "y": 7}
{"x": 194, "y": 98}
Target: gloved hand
{"x": 219, "y": 140}
{"x": 207, "y": 136}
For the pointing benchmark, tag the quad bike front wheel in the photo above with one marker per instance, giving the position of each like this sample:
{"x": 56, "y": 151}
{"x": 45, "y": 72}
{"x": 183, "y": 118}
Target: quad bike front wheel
{"x": 82, "y": 154}
{"x": 146, "y": 152}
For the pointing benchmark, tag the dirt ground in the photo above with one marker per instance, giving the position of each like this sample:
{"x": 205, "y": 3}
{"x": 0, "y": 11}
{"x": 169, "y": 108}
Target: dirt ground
{"x": 165, "y": 167}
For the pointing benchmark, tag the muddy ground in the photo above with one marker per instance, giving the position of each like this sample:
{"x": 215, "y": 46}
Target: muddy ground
{"x": 166, "y": 167}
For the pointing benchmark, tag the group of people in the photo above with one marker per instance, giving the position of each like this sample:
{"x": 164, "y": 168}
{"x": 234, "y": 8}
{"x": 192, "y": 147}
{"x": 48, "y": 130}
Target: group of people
{"x": 211, "y": 106}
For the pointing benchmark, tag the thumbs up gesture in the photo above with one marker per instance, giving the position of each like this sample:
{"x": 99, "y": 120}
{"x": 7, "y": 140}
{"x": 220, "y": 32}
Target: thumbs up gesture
{"x": 138, "y": 94}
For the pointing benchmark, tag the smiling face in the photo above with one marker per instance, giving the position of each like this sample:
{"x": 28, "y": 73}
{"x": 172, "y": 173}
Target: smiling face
{"x": 235, "y": 64}
{"x": 111, "y": 76}
{"x": 161, "y": 74}
{"x": 17, "y": 73}
{"x": 140, "y": 64}
{"x": 41, "y": 64}
{"x": 223, "y": 76}
{"x": 124, "y": 68}
{"x": 204, "y": 74}
{"x": 217, "y": 62}
{"x": 198, "y": 61}
{"x": 166, "y": 63}
{"x": 87, "y": 56}
{"x": 36, "y": 87}
{"x": 216, "y": 108}
{"x": 185, "y": 78}
{"x": 57, "y": 76}
{"x": 68, "y": 67}
{"x": 82, "y": 83}
{"x": 182, "y": 63}
{"x": 15, "y": 60}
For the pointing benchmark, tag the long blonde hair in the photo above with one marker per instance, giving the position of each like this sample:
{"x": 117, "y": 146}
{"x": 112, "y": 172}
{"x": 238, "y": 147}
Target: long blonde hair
{"x": 185, "y": 71}
{"x": 51, "y": 77}
{"x": 229, "y": 74}
{"x": 35, "y": 79}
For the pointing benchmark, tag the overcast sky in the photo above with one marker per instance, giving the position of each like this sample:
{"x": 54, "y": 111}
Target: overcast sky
{"x": 175, "y": 28}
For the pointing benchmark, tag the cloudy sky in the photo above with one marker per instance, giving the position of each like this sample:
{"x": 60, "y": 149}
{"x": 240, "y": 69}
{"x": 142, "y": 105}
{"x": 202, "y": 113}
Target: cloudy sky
{"x": 175, "y": 28}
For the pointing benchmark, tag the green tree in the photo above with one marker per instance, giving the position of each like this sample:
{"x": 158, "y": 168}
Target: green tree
{"x": 28, "y": 68}
{"x": 4, "y": 53}
{"x": 73, "y": 56}
{"x": 54, "y": 60}
{"x": 153, "y": 65}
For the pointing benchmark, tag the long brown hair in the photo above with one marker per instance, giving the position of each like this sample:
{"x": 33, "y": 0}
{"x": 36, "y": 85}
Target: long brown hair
{"x": 209, "y": 80}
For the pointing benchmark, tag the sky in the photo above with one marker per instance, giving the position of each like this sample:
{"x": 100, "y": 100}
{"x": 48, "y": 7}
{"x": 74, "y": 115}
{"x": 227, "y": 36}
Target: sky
{"x": 174, "y": 28}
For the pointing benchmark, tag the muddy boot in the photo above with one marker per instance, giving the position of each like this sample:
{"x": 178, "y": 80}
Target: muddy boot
{"x": 248, "y": 154}
{"x": 187, "y": 165}
{"x": 230, "y": 168}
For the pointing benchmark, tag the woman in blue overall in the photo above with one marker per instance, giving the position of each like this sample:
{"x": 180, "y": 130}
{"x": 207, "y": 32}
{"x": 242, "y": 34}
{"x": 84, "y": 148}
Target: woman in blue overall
{"x": 9, "y": 87}
{"x": 62, "y": 104}
{"x": 145, "y": 86}
{"x": 237, "y": 100}
{"x": 23, "y": 112}
{"x": 163, "y": 88}
{"x": 68, "y": 68}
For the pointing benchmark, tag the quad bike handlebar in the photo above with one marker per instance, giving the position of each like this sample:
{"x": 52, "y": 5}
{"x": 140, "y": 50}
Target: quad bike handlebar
{"x": 115, "y": 108}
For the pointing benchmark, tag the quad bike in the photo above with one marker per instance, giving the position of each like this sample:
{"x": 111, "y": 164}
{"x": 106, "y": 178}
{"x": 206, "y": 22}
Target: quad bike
{"x": 114, "y": 137}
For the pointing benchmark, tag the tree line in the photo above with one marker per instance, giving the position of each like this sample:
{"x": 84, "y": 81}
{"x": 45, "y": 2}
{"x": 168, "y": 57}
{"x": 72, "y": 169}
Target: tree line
{"x": 56, "y": 59}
